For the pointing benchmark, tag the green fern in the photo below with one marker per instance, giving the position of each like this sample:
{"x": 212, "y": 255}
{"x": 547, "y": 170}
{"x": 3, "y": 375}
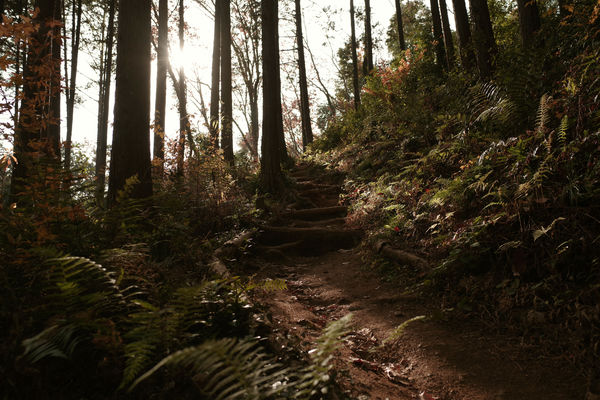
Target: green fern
{"x": 562, "y": 130}
{"x": 55, "y": 341}
{"x": 314, "y": 378}
{"x": 543, "y": 114}
{"x": 234, "y": 369}
{"x": 84, "y": 291}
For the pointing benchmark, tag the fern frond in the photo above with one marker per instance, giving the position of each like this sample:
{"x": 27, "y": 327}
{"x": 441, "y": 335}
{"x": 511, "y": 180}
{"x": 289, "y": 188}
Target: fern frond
{"x": 562, "y": 130}
{"x": 314, "y": 377}
{"x": 235, "y": 369}
{"x": 543, "y": 114}
{"x": 490, "y": 104}
{"x": 55, "y": 341}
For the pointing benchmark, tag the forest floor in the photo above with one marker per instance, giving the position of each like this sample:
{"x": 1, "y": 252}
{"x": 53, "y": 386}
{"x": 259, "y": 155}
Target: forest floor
{"x": 327, "y": 276}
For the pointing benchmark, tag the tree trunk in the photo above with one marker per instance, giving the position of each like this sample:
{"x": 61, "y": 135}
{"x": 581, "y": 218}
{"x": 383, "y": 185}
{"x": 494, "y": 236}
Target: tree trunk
{"x": 438, "y": 37}
{"x": 401, "y": 40}
{"x": 447, "y": 35}
{"x": 254, "y": 122}
{"x": 131, "y": 136}
{"x": 368, "y": 38}
{"x": 160, "y": 105}
{"x": 483, "y": 38}
{"x": 216, "y": 74}
{"x": 104, "y": 104}
{"x": 307, "y": 135}
{"x": 181, "y": 83}
{"x": 55, "y": 81}
{"x": 270, "y": 163}
{"x": 226, "y": 86}
{"x": 461, "y": 18}
{"x": 285, "y": 159}
{"x": 39, "y": 116}
{"x": 75, "y": 39}
{"x": 529, "y": 21}
{"x": 355, "y": 81}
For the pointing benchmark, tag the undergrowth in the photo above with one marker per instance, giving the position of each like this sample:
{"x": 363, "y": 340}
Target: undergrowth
{"x": 496, "y": 183}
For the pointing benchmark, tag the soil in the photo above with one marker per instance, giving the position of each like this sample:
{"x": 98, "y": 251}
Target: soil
{"x": 433, "y": 358}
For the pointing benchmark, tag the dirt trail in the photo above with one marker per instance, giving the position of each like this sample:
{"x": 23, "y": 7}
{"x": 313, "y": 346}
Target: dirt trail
{"x": 311, "y": 248}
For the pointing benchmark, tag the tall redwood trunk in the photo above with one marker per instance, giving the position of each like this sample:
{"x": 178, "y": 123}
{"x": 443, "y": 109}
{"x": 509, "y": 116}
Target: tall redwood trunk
{"x": 529, "y": 20}
{"x": 39, "y": 115}
{"x": 270, "y": 162}
{"x": 307, "y": 135}
{"x": 131, "y": 135}
{"x": 461, "y": 18}
{"x": 368, "y": 38}
{"x": 400, "y": 27}
{"x": 449, "y": 43}
{"x": 104, "y": 105}
{"x": 160, "y": 104}
{"x": 216, "y": 74}
{"x": 483, "y": 38}
{"x": 75, "y": 39}
{"x": 355, "y": 82}
{"x": 438, "y": 37}
{"x": 226, "y": 86}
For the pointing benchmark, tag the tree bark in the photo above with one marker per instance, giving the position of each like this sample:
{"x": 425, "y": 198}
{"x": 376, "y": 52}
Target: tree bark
{"x": 529, "y": 21}
{"x": 401, "y": 40}
{"x": 438, "y": 37}
{"x": 131, "y": 136}
{"x": 270, "y": 163}
{"x": 216, "y": 76}
{"x": 53, "y": 129}
{"x": 285, "y": 159}
{"x": 449, "y": 44}
{"x": 307, "y": 135}
{"x": 483, "y": 38}
{"x": 226, "y": 85}
{"x": 75, "y": 39}
{"x": 368, "y": 38}
{"x": 181, "y": 83}
{"x": 461, "y": 18}
{"x": 104, "y": 104}
{"x": 39, "y": 115}
{"x": 160, "y": 104}
{"x": 355, "y": 82}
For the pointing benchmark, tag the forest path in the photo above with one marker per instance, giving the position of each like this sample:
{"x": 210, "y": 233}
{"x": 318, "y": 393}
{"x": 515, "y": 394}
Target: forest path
{"x": 314, "y": 252}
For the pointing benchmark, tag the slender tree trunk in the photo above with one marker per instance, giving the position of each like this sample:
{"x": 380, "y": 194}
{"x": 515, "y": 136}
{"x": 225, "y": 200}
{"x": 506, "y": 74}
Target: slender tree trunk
{"x": 270, "y": 163}
{"x": 56, "y": 84}
{"x": 160, "y": 104}
{"x": 401, "y": 40}
{"x": 368, "y": 38}
{"x": 355, "y": 82}
{"x": 285, "y": 160}
{"x": 483, "y": 38}
{"x": 184, "y": 119}
{"x": 131, "y": 136}
{"x": 226, "y": 86}
{"x": 104, "y": 103}
{"x": 438, "y": 37}
{"x": 254, "y": 123}
{"x": 447, "y": 35}
{"x": 216, "y": 69}
{"x": 39, "y": 116}
{"x": 529, "y": 21}
{"x": 461, "y": 18}
{"x": 307, "y": 135}
{"x": 75, "y": 39}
